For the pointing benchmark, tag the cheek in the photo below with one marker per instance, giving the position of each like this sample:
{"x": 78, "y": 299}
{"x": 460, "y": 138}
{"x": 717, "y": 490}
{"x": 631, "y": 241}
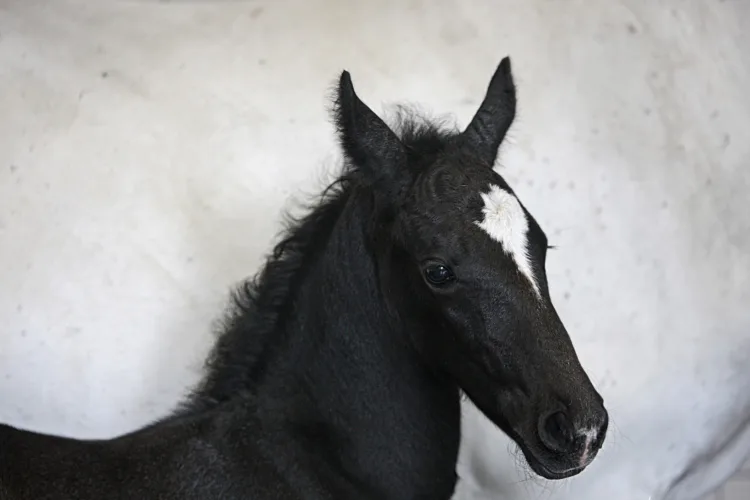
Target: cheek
{"x": 464, "y": 319}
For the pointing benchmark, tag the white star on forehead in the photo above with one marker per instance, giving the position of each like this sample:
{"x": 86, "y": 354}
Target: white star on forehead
{"x": 505, "y": 222}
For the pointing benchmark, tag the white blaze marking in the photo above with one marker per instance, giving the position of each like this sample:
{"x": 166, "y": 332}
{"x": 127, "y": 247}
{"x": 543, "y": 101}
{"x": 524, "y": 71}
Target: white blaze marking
{"x": 506, "y": 223}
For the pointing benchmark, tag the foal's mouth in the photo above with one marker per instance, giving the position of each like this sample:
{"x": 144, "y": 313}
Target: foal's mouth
{"x": 540, "y": 461}
{"x": 547, "y": 473}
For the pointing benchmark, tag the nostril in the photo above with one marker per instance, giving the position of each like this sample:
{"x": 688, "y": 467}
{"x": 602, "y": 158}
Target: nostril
{"x": 556, "y": 432}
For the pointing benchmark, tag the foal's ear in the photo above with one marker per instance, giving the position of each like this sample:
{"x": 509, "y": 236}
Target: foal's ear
{"x": 495, "y": 115}
{"x": 367, "y": 141}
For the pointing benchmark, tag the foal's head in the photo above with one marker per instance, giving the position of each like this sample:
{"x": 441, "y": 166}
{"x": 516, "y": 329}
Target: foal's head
{"x": 464, "y": 265}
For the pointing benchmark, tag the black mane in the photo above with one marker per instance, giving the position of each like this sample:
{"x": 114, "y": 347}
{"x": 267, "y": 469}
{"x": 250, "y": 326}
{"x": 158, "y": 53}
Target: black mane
{"x": 259, "y": 303}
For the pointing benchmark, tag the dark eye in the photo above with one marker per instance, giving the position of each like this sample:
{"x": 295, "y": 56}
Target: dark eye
{"x": 438, "y": 274}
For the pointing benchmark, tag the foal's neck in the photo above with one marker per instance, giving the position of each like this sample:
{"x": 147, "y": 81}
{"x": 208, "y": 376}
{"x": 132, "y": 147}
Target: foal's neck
{"x": 345, "y": 381}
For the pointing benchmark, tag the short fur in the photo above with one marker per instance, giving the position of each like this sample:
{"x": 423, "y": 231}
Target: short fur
{"x": 338, "y": 372}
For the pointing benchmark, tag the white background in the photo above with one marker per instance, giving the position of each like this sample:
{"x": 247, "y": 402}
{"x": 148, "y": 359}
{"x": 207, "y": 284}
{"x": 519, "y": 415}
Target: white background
{"x": 147, "y": 148}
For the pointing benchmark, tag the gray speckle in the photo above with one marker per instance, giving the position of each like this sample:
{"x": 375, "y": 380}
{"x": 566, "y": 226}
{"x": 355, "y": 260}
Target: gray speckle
{"x": 632, "y": 29}
{"x": 104, "y": 74}
{"x": 13, "y": 168}
{"x": 256, "y": 12}
{"x": 72, "y": 331}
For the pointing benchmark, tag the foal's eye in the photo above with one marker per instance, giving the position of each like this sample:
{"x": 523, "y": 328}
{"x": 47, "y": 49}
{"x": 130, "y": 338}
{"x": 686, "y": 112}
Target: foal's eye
{"x": 438, "y": 274}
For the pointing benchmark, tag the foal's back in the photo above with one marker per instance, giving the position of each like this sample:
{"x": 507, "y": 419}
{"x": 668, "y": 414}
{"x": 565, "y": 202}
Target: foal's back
{"x": 190, "y": 458}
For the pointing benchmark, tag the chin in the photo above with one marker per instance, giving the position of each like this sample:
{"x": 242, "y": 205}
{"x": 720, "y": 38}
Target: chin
{"x": 553, "y": 475}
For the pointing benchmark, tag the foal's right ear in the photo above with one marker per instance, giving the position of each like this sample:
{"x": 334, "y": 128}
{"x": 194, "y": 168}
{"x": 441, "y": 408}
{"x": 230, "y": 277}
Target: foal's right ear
{"x": 495, "y": 115}
{"x": 367, "y": 141}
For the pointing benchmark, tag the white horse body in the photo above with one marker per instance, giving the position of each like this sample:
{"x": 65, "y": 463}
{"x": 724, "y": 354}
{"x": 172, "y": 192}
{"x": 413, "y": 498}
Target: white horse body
{"x": 147, "y": 148}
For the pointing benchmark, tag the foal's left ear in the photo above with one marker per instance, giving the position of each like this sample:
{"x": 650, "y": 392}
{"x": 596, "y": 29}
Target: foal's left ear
{"x": 367, "y": 140}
